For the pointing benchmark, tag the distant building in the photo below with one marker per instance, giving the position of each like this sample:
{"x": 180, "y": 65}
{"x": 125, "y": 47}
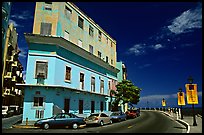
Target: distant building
{"x": 122, "y": 75}
{"x": 6, "y": 9}
{"x": 71, "y": 63}
{"x": 12, "y": 71}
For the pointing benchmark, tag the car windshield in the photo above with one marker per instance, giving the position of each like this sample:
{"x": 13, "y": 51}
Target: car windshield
{"x": 114, "y": 114}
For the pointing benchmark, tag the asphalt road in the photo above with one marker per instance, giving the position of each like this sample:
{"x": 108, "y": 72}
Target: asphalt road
{"x": 8, "y": 122}
{"x": 148, "y": 122}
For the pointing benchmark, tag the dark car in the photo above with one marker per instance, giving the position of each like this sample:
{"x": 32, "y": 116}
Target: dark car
{"x": 133, "y": 113}
{"x": 118, "y": 116}
{"x": 61, "y": 120}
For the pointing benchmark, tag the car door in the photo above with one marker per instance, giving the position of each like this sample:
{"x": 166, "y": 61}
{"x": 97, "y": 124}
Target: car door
{"x": 58, "y": 121}
{"x": 105, "y": 118}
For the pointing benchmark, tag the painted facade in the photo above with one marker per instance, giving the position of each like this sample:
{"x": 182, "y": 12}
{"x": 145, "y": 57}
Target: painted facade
{"x": 63, "y": 74}
{"x": 12, "y": 70}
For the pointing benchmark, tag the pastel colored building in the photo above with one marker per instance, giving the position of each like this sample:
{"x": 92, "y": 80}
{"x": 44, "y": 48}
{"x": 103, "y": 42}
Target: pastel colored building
{"x": 12, "y": 94}
{"x": 71, "y": 63}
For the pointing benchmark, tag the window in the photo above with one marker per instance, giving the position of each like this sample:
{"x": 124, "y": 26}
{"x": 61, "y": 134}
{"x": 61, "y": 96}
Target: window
{"x": 99, "y": 54}
{"x": 109, "y": 84}
{"x": 68, "y": 74}
{"x": 66, "y": 35}
{"x": 80, "y": 22}
{"x": 102, "y": 87}
{"x": 41, "y": 69}
{"x": 81, "y": 81}
{"x": 111, "y": 44}
{"x": 92, "y": 106}
{"x": 102, "y": 115}
{"x": 111, "y": 62}
{"x": 93, "y": 84}
{"x": 79, "y": 43}
{"x": 39, "y": 114}
{"x": 80, "y": 106}
{"x": 91, "y": 30}
{"x": 99, "y": 35}
{"x": 48, "y": 6}
{"x": 66, "y": 105}
{"x": 107, "y": 40}
{"x": 38, "y": 102}
{"x": 46, "y": 28}
{"x": 91, "y": 49}
{"x": 68, "y": 12}
{"x": 107, "y": 59}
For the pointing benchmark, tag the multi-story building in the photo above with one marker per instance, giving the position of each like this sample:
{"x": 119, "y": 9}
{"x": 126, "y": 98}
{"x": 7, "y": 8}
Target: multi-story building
{"x": 6, "y": 8}
{"x": 12, "y": 72}
{"x": 71, "y": 63}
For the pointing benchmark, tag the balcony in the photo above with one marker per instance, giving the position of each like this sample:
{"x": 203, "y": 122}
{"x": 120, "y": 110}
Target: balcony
{"x": 8, "y": 75}
{"x": 15, "y": 64}
{"x": 14, "y": 78}
{"x": 7, "y": 91}
{"x": 9, "y": 59}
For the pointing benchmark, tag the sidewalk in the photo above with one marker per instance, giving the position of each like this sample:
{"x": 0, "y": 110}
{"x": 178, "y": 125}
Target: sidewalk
{"x": 188, "y": 122}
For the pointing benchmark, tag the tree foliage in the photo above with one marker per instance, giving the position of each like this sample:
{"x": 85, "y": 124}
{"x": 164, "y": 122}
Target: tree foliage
{"x": 126, "y": 92}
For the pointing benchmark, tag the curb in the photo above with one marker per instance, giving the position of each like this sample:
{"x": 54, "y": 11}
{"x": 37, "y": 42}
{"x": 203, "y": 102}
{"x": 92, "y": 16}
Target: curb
{"x": 185, "y": 124}
{"x": 23, "y": 126}
{"x": 180, "y": 121}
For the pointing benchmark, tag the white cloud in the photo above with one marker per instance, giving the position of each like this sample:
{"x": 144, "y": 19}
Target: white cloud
{"x": 24, "y": 15}
{"x": 157, "y": 46}
{"x": 14, "y": 23}
{"x": 187, "y": 21}
{"x": 137, "y": 49}
{"x": 144, "y": 66}
{"x": 23, "y": 52}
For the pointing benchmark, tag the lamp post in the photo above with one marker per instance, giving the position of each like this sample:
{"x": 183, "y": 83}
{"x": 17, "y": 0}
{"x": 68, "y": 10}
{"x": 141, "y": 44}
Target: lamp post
{"x": 180, "y": 92}
{"x": 190, "y": 79}
{"x": 163, "y": 104}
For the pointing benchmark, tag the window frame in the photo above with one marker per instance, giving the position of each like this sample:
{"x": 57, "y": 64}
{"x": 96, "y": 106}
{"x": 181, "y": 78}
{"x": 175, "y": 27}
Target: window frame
{"x": 35, "y": 70}
{"x": 91, "y": 31}
{"x": 70, "y": 76}
{"x": 94, "y": 84}
{"x": 101, "y": 86}
{"x": 80, "y": 22}
{"x": 47, "y": 32}
{"x": 67, "y": 12}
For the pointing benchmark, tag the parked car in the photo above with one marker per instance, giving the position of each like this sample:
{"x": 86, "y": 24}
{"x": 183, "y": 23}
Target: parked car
{"x": 133, "y": 113}
{"x": 118, "y": 116}
{"x": 5, "y": 111}
{"x": 61, "y": 120}
{"x": 98, "y": 119}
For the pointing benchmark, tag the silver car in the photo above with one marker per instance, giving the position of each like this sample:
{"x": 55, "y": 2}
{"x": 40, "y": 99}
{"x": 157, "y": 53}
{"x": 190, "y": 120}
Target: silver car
{"x": 99, "y": 119}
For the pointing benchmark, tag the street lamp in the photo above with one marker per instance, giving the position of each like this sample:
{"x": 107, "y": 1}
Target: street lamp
{"x": 180, "y": 94}
{"x": 190, "y": 79}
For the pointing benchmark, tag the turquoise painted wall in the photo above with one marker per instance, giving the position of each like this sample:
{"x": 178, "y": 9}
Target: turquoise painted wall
{"x": 55, "y": 96}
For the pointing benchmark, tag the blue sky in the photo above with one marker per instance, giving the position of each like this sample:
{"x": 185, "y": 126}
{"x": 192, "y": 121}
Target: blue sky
{"x": 159, "y": 42}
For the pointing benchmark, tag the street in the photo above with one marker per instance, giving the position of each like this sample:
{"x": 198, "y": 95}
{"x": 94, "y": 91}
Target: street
{"x": 148, "y": 122}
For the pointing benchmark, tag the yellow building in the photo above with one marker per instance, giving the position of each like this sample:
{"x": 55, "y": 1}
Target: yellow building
{"x": 64, "y": 19}
{"x": 12, "y": 70}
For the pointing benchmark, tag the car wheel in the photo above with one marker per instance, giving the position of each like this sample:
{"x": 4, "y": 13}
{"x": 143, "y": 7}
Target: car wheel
{"x": 74, "y": 126}
{"x": 46, "y": 126}
{"x": 101, "y": 123}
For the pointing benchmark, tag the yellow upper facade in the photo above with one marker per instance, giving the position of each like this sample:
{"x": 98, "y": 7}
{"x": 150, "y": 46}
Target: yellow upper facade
{"x": 64, "y": 19}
